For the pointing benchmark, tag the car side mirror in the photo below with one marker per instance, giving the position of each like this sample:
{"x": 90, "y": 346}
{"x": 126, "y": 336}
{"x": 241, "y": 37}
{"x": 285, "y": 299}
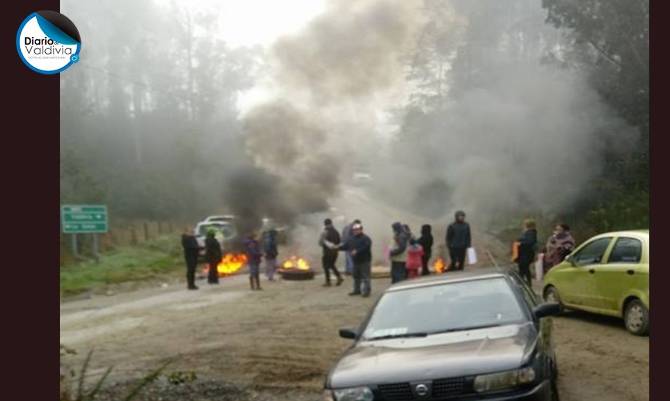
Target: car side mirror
{"x": 348, "y": 333}
{"x": 571, "y": 261}
{"x": 546, "y": 309}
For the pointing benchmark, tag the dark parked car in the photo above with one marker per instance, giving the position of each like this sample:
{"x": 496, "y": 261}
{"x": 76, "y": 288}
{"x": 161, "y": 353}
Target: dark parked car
{"x": 461, "y": 336}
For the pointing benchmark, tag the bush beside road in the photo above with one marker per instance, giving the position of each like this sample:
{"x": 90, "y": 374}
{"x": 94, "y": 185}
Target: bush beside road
{"x": 150, "y": 260}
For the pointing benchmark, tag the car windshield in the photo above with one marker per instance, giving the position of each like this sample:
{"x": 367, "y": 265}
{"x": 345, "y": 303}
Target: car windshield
{"x": 443, "y": 308}
{"x": 224, "y": 229}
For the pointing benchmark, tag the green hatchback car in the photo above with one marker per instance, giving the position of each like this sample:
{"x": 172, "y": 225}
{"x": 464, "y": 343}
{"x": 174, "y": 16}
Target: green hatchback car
{"x": 609, "y": 275}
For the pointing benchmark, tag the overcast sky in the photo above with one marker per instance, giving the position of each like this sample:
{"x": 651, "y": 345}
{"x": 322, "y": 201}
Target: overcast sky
{"x": 257, "y": 22}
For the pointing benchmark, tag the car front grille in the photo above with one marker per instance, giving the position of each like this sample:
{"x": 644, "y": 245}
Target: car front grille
{"x": 396, "y": 392}
{"x": 445, "y": 388}
{"x": 442, "y": 389}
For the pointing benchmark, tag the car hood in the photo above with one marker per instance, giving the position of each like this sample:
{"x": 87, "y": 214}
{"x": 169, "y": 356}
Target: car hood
{"x": 437, "y": 356}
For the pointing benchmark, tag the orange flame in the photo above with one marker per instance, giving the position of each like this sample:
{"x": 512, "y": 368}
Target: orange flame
{"x": 440, "y": 265}
{"x": 295, "y": 262}
{"x": 230, "y": 264}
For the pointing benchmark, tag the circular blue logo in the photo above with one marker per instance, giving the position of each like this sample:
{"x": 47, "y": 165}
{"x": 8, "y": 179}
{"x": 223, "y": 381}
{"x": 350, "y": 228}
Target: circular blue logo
{"x": 48, "y": 42}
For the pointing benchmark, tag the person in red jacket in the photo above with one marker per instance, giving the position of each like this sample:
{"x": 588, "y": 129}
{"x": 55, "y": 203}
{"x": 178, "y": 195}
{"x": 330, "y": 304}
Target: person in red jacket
{"x": 414, "y": 258}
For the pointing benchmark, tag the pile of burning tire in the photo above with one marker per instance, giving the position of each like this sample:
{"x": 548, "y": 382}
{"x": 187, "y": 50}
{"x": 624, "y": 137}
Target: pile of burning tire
{"x": 295, "y": 268}
{"x": 231, "y": 264}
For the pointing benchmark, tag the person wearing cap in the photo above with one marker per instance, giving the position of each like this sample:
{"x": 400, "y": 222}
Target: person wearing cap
{"x": 398, "y": 252}
{"x": 213, "y": 256}
{"x": 329, "y": 241}
{"x": 346, "y": 234}
{"x": 360, "y": 245}
{"x": 458, "y": 241}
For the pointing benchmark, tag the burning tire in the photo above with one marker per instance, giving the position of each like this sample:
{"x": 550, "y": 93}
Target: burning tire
{"x": 231, "y": 264}
{"x": 296, "y": 275}
{"x": 296, "y": 269}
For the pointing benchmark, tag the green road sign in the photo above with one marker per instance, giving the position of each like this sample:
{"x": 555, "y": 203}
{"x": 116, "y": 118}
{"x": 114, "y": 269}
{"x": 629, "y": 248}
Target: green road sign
{"x": 84, "y": 219}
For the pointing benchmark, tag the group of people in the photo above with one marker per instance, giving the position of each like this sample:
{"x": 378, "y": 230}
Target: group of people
{"x": 254, "y": 250}
{"x": 409, "y": 255}
{"x": 358, "y": 250}
{"x": 558, "y": 246}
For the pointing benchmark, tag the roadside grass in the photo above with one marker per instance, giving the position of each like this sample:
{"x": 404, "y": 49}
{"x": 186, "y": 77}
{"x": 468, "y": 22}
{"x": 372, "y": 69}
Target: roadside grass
{"x": 123, "y": 264}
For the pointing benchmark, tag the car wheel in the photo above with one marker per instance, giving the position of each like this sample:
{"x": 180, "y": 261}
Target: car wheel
{"x": 636, "y": 317}
{"x": 551, "y": 295}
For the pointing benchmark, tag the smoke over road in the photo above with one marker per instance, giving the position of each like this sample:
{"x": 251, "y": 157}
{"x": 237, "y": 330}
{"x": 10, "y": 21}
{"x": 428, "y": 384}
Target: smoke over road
{"x": 508, "y": 133}
{"x": 330, "y": 76}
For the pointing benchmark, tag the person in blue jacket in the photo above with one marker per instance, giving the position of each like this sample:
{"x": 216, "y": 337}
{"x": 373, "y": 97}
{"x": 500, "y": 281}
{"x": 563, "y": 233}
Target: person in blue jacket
{"x": 254, "y": 256}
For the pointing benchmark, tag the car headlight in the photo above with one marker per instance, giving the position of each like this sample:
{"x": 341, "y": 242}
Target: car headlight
{"x": 350, "y": 394}
{"x": 504, "y": 380}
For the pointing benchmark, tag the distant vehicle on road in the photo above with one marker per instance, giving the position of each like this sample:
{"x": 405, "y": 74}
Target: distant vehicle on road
{"x": 361, "y": 179}
{"x": 226, "y": 234}
{"x": 478, "y": 335}
{"x": 609, "y": 275}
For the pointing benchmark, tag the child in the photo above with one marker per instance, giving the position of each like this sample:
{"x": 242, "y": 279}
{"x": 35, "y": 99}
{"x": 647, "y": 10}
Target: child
{"x": 254, "y": 255}
{"x": 414, "y": 255}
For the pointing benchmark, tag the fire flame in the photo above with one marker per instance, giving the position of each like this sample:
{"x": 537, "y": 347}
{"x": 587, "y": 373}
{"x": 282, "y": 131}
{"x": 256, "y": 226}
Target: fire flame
{"x": 295, "y": 262}
{"x": 230, "y": 264}
{"x": 440, "y": 265}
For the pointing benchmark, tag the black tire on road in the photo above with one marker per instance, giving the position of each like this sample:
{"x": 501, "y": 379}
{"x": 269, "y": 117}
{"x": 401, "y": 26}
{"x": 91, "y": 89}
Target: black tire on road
{"x": 636, "y": 318}
{"x": 551, "y": 295}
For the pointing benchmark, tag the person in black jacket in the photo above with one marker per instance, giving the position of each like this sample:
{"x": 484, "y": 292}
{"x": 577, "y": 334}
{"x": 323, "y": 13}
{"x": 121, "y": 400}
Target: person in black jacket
{"x": 398, "y": 252}
{"x": 329, "y": 241}
{"x": 458, "y": 241}
{"x": 426, "y": 242}
{"x": 213, "y": 256}
{"x": 269, "y": 239}
{"x": 190, "y": 245}
{"x": 360, "y": 245}
{"x": 527, "y": 246}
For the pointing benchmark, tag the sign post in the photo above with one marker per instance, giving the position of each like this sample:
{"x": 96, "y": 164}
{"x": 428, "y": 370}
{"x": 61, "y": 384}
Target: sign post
{"x": 84, "y": 219}
{"x": 75, "y": 252}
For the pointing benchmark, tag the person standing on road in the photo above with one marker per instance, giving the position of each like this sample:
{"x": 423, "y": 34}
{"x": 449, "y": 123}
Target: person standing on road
{"x": 426, "y": 242}
{"x": 213, "y": 256}
{"x": 398, "y": 253}
{"x": 271, "y": 253}
{"x": 414, "y": 256}
{"x": 254, "y": 256}
{"x": 346, "y": 235}
{"x": 458, "y": 241}
{"x": 360, "y": 245}
{"x": 408, "y": 232}
{"x": 190, "y": 245}
{"x": 329, "y": 241}
{"x": 527, "y": 247}
{"x": 559, "y": 245}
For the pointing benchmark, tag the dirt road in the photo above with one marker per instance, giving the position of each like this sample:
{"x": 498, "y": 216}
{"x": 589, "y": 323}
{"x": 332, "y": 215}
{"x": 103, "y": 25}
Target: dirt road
{"x": 277, "y": 344}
